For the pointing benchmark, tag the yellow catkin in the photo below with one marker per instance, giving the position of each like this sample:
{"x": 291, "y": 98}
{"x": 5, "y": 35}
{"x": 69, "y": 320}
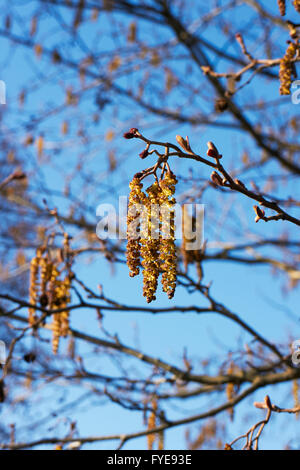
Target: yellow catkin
{"x": 296, "y": 4}
{"x": 56, "y": 324}
{"x": 286, "y": 69}
{"x": 59, "y": 293}
{"x": 152, "y": 239}
{"x": 64, "y": 128}
{"x": 38, "y": 49}
{"x": 230, "y": 391}
{"x": 131, "y": 37}
{"x": 296, "y": 395}
{"x": 136, "y": 196}
{"x": 52, "y": 287}
{"x": 151, "y": 425}
{"x": 45, "y": 276}
{"x": 167, "y": 240}
{"x": 40, "y": 146}
{"x": 56, "y": 321}
{"x": 34, "y": 287}
{"x": 150, "y": 244}
{"x": 65, "y": 286}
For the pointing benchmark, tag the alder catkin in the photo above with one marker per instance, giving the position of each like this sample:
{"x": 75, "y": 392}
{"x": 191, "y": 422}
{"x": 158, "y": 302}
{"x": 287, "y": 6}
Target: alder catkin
{"x": 34, "y": 287}
{"x": 296, "y": 4}
{"x": 136, "y": 196}
{"x": 61, "y": 298}
{"x": 150, "y": 244}
{"x": 230, "y": 392}
{"x": 286, "y": 69}
{"x": 151, "y": 425}
{"x": 296, "y": 395}
{"x": 56, "y": 320}
{"x": 66, "y": 298}
{"x": 167, "y": 246}
{"x": 50, "y": 286}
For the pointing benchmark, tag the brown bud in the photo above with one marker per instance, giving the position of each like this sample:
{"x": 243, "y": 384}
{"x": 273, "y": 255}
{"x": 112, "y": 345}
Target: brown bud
{"x": 216, "y": 178}
{"x": 213, "y": 151}
{"x": 228, "y": 447}
{"x": 239, "y": 183}
{"x": 56, "y": 58}
{"x": 206, "y": 69}
{"x": 260, "y": 213}
{"x": 239, "y": 39}
{"x": 144, "y": 154}
{"x": 184, "y": 143}
{"x": 131, "y": 133}
{"x": 268, "y": 401}
{"x": 29, "y": 139}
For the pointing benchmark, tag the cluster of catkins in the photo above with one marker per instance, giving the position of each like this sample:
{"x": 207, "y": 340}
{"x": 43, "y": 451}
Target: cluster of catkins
{"x": 50, "y": 287}
{"x": 286, "y": 68}
{"x": 151, "y": 235}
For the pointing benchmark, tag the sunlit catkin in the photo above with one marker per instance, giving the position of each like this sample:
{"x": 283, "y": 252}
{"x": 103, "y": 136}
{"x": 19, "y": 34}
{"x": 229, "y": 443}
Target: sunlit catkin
{"x": 66, "y": 297}
{"x": 151, "y": 233}
{"x": 151, "y": 425}
{"x": 167, "y": 246}
{"x": 136, "y": 197}
{"x": 34, "y": 287}
{"x": 286, "y": 69}
{"x": 45, "y": 275}
{"x": 296, "y": 395}
{"x": 61, "y": 299}
{"x": 150, "y": 243}
{"x": 56, "y": 319}
{"x": 296, "y": 4}
{"x": 230, "y": 392}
